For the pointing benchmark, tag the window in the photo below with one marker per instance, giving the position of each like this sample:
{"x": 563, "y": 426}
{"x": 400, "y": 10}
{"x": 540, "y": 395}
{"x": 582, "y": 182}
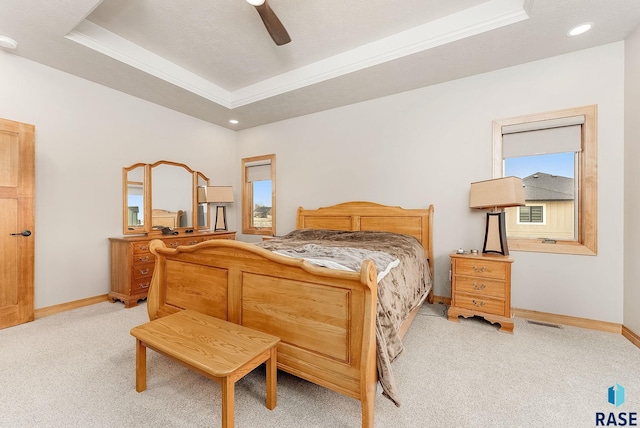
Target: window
{"x": 531, "y": 214}
{"x": 555, "y": 155}
{"x": 259, "y": 195}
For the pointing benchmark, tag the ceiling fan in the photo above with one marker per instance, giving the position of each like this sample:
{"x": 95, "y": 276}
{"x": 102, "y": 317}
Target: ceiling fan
{"x": 275, "y": 28}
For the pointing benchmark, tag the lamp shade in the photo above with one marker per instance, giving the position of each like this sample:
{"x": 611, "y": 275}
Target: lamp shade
{"x": 220, "y": 194}
{"x": 497, "y": 193}
{"x": 202, "y": 195}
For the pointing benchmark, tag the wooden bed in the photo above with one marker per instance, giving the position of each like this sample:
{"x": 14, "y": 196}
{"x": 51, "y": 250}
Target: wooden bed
{"x": 331, "y": 341}
{"x": 164, "y": 218}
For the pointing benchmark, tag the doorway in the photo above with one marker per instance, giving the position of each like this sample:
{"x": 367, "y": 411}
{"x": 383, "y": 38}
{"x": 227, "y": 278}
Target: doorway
{"x": 17, "y": 221}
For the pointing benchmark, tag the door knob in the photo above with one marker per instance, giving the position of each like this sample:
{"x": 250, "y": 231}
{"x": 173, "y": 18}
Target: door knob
{"x": 23, "y": 233}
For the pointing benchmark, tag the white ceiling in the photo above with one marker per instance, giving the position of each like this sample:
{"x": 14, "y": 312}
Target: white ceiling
{"x": 214, "y": 60}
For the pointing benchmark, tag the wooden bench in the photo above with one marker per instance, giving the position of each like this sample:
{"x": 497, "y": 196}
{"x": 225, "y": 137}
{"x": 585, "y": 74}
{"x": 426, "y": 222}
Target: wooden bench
{"x": 217, "y": 349}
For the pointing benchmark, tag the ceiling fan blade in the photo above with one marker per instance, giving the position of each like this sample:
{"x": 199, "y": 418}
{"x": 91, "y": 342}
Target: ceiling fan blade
{"x": 275, "y": 28}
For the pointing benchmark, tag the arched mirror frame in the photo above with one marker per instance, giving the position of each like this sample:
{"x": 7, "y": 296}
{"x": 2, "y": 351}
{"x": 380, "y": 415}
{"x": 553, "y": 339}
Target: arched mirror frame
{"x": 199, "y": 213}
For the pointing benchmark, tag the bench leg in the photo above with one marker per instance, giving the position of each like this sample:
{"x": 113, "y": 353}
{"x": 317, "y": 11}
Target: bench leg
{"x": 228, "y": 391}
{"x": 141, "y": 366}
{"x": 272, "y": 382}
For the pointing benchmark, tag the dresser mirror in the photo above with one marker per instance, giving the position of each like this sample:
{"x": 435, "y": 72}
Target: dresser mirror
{"x": 201, "y": 195}
{"x": 134, "y": 180}
{"x": 163, "y": 194}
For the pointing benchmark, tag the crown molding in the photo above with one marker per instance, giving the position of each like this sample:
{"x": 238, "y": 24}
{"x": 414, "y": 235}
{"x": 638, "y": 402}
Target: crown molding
{"x": 476, "y": 20}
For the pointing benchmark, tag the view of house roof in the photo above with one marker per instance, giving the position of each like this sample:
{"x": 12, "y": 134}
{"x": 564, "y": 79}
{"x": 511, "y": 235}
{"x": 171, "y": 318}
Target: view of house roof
{"x": 546, "y": 187}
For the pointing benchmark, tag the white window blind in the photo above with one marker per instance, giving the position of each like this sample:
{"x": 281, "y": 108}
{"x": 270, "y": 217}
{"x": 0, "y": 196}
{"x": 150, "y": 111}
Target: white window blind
{"x": 542, "y": 137}
{"x": 258, "y": 171}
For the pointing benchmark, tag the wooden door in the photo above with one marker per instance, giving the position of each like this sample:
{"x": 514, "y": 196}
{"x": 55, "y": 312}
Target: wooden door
{"x": 17, "y": 176}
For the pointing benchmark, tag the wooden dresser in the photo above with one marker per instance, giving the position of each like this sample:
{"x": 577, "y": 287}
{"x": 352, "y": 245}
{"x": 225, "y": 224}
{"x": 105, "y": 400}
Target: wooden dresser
{"x": 481, "y": 285}
{"x": 132, "y": 263}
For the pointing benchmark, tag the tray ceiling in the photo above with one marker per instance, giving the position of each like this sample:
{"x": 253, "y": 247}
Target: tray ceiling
{"x": 214, "y": 59}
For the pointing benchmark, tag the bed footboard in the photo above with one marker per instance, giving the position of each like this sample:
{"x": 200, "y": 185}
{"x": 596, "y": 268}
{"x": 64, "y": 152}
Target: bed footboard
{"x": 324, "y": 318}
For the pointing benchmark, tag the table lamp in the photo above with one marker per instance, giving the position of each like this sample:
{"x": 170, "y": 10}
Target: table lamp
{"x": 220, "y": 195}
{"x": 496, "y": 194}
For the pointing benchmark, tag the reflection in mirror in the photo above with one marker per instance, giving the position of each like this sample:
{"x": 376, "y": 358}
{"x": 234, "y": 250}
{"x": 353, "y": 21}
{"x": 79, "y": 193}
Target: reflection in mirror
{"x": 203, "y": 213}
{"x": 171, "y": 196}
{"x": 134, "y": 179}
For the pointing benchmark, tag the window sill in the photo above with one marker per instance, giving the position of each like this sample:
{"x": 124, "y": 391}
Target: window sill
{"x": 269, "y": 232}
{"x": 560, "y": 247}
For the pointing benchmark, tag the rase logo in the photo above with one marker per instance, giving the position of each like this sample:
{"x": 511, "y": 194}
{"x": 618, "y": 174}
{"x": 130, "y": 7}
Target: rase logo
{"x": 615, "y": 396}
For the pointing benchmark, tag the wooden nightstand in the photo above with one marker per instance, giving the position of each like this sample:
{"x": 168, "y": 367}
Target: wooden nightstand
{"x": 481, "y": 285}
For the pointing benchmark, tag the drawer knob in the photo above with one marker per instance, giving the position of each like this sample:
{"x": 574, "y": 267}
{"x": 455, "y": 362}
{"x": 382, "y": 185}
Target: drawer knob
{"x": 144, "y": 271}
{"x": 143, "y": 247}
{"x": 145, "y": 285}
{"x": 478, "y": 303}
{"x": 144, "y": 259}
{"x": 481, "y": 269}
{"x": 477, "y": 286}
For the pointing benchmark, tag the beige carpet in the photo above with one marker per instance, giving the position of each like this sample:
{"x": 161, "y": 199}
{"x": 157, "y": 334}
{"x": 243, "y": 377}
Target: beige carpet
{"x": 77, "y": 369}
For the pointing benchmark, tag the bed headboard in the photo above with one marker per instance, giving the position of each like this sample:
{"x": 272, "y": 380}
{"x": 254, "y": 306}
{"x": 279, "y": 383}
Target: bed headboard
{"x": 370, "y": 216}
{"x": 164, "y": 218}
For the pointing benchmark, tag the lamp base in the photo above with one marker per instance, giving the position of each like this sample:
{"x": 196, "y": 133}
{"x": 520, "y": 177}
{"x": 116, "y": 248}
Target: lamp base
{"x": 495, "y": 238}
{"x": 221, "y": 218}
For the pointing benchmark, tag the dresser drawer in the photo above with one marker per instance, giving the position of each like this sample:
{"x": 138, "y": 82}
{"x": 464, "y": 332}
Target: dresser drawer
{"x": 480, "y": 268}
{"x": 142, "y": 270}
{"x": 140, "y": 247}
{"x": 480, "y": 303}
{"x": 175, "y": 243}
{"x": 143, "y": 258}
{"x": 487, "y": 287}
{"x": 225, "y": 236}
{"x": 140, "y": 285}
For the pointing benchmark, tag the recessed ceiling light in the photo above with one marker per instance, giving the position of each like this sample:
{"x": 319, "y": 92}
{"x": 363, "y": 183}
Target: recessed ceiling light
{"x": 580, "y": 29}
{"x": 233, "y": 122}
{"x": 8, "y": 42}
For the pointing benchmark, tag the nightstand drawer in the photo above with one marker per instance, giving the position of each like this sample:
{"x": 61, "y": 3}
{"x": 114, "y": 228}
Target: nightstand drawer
{"x": 480, "y": 268}
{"x": 487, "y": 287}
{"x": 480, "y": 303}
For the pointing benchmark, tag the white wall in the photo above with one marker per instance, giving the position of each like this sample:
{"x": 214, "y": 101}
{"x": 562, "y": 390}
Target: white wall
{"x": 85, "y": 135}
{"x": 411, "y": 149}
{"x": 632, "y": 178}
{"x": 425, "y": 147}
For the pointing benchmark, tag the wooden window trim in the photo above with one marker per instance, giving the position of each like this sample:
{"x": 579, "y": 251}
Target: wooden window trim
{"x": 587, "y": 243}
{"x": 247, "y": 200}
